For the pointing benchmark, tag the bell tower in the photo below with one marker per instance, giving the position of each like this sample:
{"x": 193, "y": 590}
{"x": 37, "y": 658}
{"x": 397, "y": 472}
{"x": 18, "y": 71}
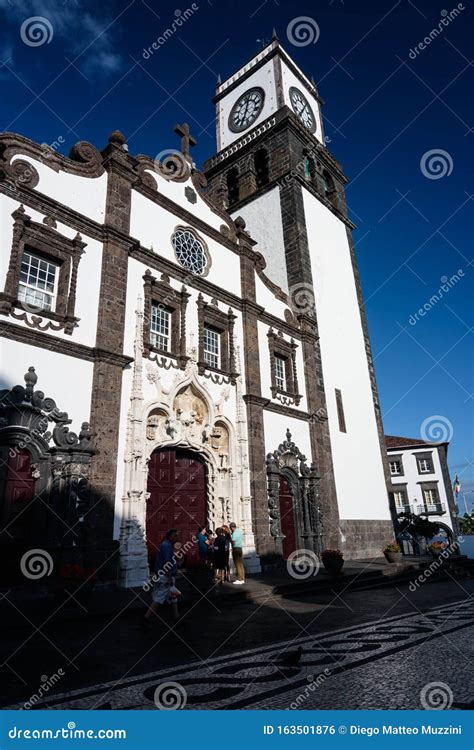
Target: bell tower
{"x": 273, "y": 168}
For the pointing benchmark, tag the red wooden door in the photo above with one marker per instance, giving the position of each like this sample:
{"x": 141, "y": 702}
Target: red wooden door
{"x": 18, "y": 493}
{"x": 177, "y": 487}
{"x": 287, "y": 518}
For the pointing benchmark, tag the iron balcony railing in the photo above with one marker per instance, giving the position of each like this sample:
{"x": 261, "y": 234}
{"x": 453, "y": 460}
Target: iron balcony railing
{"x": 431, "y": 509}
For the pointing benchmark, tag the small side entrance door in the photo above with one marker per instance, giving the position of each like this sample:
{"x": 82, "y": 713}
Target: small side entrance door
{"x": 287, "y": 518}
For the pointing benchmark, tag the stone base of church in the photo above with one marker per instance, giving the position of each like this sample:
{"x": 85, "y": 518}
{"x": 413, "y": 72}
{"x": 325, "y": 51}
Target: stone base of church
{"x": 251, "y": 560}
{"x": 364, "y": 538}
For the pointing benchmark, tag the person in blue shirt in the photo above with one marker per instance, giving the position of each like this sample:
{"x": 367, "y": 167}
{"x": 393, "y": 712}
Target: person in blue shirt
{"x": 203, "y": 543}
{"x": 237, "y": 553}
{"x": 166, "y": 568}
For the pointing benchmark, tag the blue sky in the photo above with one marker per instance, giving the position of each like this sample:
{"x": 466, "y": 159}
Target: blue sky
{"x": 398, "y": 121}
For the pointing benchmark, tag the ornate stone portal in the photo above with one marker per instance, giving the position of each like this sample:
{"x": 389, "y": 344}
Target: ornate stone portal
{"x": 183, "y": 415}
{"x": 288, "y": 461}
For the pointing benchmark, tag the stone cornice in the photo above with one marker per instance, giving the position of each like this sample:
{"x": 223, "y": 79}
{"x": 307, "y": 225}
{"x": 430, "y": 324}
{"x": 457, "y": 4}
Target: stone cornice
{"x": 62, "y": 346}
{"x": 268, "y": 405}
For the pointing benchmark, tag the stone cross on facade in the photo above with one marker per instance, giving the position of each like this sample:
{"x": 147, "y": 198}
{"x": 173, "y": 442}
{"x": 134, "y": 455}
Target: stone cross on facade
{"x": 187, "y": 139}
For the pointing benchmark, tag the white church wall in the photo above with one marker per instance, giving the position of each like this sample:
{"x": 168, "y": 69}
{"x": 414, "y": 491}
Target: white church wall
{"x": 153, "y": 226}
{"x": 276, "y": 425}
{"x": 67, "y": 380}
{"x": 264, "y": 77}
{"x": 289, "y": 79}
{"x": 359, "y": 476}
{"x": 84, "y": 195}
{"x": 264, "y": 222}
{"x": 88, "y": 277}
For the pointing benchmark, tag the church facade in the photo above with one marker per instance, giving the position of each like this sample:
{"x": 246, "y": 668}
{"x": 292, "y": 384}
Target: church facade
{"x": 183, "y": 348}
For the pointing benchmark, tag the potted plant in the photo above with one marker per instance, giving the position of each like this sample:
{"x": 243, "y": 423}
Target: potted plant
{"x": 333, "y": 560}
{"x": 393, "y": 552}
{"x": 77, "y": 584}
{"x": 436, "y": 548}
{"x": 198, "y": 573}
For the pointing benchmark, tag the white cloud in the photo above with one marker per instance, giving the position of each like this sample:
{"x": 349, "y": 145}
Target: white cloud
{"x": 77, "y": 32}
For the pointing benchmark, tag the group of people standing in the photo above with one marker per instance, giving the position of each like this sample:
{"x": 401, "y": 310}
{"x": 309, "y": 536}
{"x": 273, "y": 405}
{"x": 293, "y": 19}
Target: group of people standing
{"x": 215, "y": 549}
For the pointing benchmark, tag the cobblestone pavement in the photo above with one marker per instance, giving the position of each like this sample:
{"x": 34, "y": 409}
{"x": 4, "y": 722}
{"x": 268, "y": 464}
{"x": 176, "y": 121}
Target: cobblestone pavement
{"x": 413, "y": 660}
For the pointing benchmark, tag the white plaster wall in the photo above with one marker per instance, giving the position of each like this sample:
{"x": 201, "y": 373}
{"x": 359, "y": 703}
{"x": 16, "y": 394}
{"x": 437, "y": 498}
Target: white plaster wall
{"x": 154, "y": 225}
{"x": 263, "y": 77}
{"x": 276, "y": 425}
{"x": 88, "y": 278}
{"x": 65, "y": 379}
{"x": 359, "y": 476}
{"x": 264, "y": 222}
{"x": 86, "y": 195}
{"x": 412, "y": 478}
{"x": 289, "y": 79}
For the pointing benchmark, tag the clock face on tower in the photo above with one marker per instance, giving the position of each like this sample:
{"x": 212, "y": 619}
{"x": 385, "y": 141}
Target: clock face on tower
{"x": 302, "y": 108}
{"x": 246, "y": 110}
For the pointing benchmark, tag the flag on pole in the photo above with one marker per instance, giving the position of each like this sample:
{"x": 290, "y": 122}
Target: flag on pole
{"x": 456, "y": 485}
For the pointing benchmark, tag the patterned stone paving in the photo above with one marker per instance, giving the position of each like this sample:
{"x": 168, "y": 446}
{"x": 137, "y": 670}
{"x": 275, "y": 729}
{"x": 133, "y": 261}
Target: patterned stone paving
{"x": 383, "y": 664}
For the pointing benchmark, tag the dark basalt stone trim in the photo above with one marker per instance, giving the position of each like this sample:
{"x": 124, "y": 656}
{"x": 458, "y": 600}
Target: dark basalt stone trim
{"x": 49, "y": 207}
{"x": 61, "y": 346}
{"x": 84, "y": 160}
{"x": 285, "y": 119}
{"x": 268, "y": 405}
{"x": 274, "y": 51}
{"x": 187, "y": 217}
{"x": 163, "y": 265}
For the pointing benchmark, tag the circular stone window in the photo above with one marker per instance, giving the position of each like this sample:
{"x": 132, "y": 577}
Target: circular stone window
{"x": 191, "y": 252}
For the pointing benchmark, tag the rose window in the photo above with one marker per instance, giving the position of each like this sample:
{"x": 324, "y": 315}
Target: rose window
{"x": 190, "y": 251}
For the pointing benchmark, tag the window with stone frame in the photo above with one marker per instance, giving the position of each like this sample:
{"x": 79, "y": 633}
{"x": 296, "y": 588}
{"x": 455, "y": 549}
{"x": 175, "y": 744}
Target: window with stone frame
{"x": 42, "y": 274}
{"x": 395, "y": 464}
{"x": 424, "y": 462}
{"x": 216, "y": 338}
{"x": 284, "y": 376}
{"x": 431, "y": 499}
{"x": 400, "y": 499}
{"x": 164, "y": 321}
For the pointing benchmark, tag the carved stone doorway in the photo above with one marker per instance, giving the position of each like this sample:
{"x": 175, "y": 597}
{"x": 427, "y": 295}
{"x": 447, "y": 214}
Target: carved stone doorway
{"x": 287, "y": 517}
